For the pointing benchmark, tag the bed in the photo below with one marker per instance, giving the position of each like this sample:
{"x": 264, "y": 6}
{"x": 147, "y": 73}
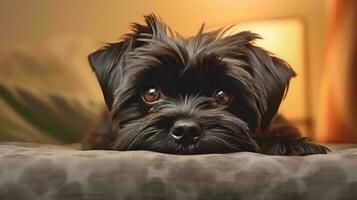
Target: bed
{"x": 38, "y": 171}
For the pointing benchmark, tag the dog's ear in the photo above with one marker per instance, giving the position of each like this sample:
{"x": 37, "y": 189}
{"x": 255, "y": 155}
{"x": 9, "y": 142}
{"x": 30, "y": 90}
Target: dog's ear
{"x": 276, "y": 84}
{"x": 108, "y": 63}
{"x": 272, "y": 75}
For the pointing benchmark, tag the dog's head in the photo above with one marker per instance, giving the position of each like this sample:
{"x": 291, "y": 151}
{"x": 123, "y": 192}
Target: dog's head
{"x": 205, "y": 94}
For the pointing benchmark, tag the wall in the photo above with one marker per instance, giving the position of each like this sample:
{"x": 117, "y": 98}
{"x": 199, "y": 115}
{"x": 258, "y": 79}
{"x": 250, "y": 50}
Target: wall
{"x": 25, "y": 22}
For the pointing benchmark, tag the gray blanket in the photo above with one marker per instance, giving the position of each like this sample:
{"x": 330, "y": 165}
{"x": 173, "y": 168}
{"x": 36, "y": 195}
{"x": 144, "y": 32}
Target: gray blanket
{"x": 29, "y": 171}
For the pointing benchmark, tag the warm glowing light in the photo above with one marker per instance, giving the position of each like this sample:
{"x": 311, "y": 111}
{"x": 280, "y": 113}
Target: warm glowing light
{"x": 285, "y": 38}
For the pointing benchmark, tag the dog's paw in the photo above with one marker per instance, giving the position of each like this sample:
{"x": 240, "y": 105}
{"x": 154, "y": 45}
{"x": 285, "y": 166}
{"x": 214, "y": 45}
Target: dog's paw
{"x": 298, "y": 147}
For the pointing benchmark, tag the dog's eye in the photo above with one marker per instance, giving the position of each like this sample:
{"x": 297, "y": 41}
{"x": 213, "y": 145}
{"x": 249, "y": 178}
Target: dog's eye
{"x": 223, "y": 97}
{"x": 151, "y": 95}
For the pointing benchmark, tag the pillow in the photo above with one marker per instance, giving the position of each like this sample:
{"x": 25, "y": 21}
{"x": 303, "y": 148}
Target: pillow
{"x": 48, "y": 93}
{"x": 31, "y": 116}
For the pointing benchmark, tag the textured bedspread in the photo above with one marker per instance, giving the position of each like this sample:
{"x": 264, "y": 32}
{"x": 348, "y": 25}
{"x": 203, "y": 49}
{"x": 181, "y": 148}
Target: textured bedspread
{"x": 51, "y": 172}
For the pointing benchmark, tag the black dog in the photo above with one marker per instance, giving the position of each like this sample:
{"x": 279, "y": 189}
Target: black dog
{"x": 205, "y": 94}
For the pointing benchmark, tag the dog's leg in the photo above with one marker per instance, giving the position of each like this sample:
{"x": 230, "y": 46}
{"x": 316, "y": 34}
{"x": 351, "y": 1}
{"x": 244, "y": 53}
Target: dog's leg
{"x": 99, "y": 137}
{"x": 282, "y": 138}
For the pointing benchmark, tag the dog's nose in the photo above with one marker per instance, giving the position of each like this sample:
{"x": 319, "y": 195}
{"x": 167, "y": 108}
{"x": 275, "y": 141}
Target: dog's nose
{"x": 186, "y": 131}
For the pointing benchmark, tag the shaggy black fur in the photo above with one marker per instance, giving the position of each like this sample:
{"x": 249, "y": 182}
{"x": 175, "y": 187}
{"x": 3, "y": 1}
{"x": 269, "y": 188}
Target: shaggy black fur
{"x": 187, "y": 72}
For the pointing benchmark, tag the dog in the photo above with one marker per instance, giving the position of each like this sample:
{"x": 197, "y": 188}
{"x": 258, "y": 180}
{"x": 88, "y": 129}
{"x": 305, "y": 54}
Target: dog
{"x": 210, "y": 93}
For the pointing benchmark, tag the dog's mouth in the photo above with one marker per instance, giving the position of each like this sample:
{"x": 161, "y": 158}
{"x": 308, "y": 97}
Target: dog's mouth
{"x": 188, "y": 137}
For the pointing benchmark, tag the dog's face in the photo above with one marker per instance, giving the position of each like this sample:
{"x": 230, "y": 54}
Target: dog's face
{"x": 205, "y": 94}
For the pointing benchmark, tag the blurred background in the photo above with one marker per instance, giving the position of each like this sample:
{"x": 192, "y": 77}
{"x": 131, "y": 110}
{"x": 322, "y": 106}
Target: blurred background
{"x": 49, "y": 94}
